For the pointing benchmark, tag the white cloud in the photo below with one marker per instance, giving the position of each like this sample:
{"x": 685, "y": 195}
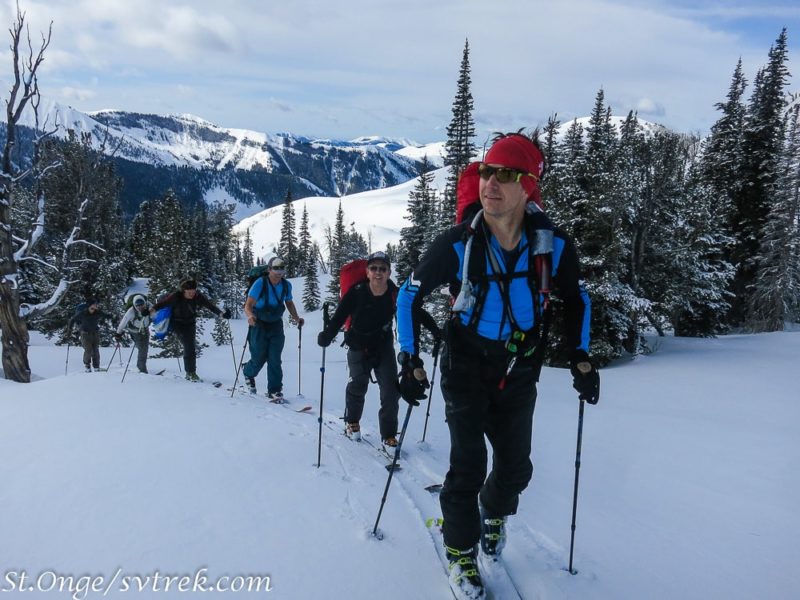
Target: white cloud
{"x": 80, "y": 95}
{"x": 339, "y": 69}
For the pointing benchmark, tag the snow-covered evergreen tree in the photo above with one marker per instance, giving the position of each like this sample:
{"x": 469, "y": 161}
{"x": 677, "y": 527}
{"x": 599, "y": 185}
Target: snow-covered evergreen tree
{"x": 304, "y": 254}
{"x": 336, "y": 241}
{"x": 415, "y": 238}
{"x": 762, "y": 146}
{"x": 288, "y": 244}
{"x": 247, "y": 251}
{"x": 311, "y": 293}
{"x": 698, "y": 299}
{"x": 99, "y": 269}
{"x": 775, "y": 293}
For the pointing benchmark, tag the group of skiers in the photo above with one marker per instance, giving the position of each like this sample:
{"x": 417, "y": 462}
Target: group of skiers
{"x": 184, "y": 305}
{"x": 502, "y": 261}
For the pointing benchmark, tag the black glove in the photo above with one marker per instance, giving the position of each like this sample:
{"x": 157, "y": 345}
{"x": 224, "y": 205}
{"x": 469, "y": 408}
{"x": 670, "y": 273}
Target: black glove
{"x": 413, "y": 380}
{"x": 585, "y": 378}
{"x": 118, "y": 337}
{"x": 226, "y": 314}
{"x": 324, "y": 340}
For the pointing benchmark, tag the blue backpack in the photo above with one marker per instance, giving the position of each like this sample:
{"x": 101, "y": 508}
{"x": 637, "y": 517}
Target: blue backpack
{"x": 160, "y": 325}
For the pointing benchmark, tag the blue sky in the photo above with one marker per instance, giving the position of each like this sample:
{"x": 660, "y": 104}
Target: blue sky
{"x": 340, "y": 69}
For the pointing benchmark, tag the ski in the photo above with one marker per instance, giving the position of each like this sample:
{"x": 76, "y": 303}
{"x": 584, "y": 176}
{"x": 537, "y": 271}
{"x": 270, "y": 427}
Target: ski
{"x": 385, "y": 454}
{"x": 496, "y": 580}
{"x": 434, "y": 488}
{"x": 288, "y": 405}
{"x": 216, "y": 384}
{"x": 380, "y": 451}
{"x": 161, "y": 372}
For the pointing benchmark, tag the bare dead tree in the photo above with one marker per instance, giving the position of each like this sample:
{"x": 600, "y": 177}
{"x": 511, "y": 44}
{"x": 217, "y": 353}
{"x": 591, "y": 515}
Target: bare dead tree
{"x": 24, "y": 91}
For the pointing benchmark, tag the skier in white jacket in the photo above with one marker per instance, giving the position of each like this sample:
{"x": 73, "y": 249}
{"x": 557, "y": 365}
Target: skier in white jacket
{"x": 135, "y": 322}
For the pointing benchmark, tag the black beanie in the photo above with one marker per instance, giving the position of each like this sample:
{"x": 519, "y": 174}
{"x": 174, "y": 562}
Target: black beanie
{"x": 189, "y": 284}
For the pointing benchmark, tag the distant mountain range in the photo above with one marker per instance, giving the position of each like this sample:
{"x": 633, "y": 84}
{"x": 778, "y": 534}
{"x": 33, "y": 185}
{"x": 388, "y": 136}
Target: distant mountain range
{"x": 204, "y": 162}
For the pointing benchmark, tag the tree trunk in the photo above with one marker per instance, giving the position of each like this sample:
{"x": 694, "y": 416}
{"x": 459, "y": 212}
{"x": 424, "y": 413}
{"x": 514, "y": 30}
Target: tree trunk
{"x": 15, "y": 336}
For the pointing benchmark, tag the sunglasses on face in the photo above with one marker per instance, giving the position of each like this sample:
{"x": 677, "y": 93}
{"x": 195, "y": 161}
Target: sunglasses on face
{"x": 378, "y": 268}
{"x": 502, "y": 174}
{"x": 278, "y": 269}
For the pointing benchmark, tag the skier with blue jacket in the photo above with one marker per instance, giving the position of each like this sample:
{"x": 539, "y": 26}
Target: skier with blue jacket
{"x": 500, "y": 265}
{"x": 268, "y": 298}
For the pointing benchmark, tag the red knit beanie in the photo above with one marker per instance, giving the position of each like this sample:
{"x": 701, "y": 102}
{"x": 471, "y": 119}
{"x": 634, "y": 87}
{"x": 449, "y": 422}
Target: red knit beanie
{"x": 518, "y": 152}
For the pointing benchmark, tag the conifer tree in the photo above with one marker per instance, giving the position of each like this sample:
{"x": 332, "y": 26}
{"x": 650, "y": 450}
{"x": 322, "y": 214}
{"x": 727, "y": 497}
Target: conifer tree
{"x": 288, "y": 244}
{"x": 100, "y": 268}
{"x": 247, "y": 251}
{"x": 600, "y": 238}
{"x": 459, "y": 146}
{"x": 415, "y": 238}
{"x": 336, "y": 242}
{"x": 762, "y": 145}
{"x": 775, "y": 293}
{"x": 697, "y": 297}
{"x": 311, "y": 293}
{"x": 304, "y": 254}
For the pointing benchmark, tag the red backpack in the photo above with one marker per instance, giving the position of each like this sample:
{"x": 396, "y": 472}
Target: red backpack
{"x": 349, "y": 275}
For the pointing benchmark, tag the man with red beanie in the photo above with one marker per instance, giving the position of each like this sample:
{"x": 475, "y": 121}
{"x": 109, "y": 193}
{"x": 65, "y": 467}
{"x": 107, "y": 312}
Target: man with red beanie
{"x": 500, "y": 264}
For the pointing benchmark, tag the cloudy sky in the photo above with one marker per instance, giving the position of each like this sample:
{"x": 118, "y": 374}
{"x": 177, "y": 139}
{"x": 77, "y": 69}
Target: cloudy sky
{"x": 344, "y": 68}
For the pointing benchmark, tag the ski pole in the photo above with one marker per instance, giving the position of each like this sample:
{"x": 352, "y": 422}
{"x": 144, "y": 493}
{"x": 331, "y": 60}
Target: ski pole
{"x": 392, "y": 468}
{"x": 575, "y": 494}
{"x": 238, "y": 369}
{"x": 116, "y": 348}
{"x": 66, "y": 366}
{"x": 233, "y": 352}
{"x": 299, "y": 358}
{"x": 130, "y": 356}
{"x": 436, "y": 343}
{"x": 325, "y": 320}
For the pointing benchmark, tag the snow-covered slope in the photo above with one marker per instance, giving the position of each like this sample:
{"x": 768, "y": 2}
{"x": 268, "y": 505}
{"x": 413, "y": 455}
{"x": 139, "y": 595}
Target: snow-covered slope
{"x": 686, "y": 490}
{"x": 378, "y": 215}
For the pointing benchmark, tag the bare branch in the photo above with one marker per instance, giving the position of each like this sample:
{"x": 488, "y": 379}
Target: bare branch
{"x": 38, "y": 260}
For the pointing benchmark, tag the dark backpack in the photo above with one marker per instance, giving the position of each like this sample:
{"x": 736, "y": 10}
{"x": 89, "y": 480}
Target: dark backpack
{"x": 81, "y": 307}
{"x": 254, "y": 273}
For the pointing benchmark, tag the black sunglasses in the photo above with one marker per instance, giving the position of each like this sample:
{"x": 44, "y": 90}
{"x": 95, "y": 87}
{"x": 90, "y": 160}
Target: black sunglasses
{"x": 379, "y": 268}
{"x": 502, "y": 174}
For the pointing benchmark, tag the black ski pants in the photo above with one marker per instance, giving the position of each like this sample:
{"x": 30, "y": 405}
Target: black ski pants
{"x": 360, "y": 363}
{"x": 186, "y": 332}
{"x": 476, "y": 408}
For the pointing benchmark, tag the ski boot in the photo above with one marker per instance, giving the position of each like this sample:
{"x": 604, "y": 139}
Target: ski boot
{"x": 192, "y": 376}
{"x": 276, "y": 397}
{"x": 493, "y": 534}
{"x": 250, "y": 382}
{"x": 465, "y": 579}
{"x": 353, "y": 431}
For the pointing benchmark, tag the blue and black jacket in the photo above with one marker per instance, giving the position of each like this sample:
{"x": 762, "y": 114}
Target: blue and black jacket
{"x": 443, "y": 264}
